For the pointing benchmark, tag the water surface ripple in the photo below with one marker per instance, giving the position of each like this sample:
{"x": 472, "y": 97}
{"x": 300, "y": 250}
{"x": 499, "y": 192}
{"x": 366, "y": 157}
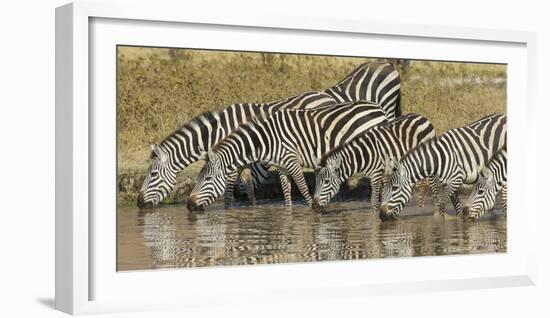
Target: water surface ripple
{"x": 172, "y": 237}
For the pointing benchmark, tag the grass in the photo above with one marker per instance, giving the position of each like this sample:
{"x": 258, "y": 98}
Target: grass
{"x": 160, "y": 89}
{"x": 454, "y": 94}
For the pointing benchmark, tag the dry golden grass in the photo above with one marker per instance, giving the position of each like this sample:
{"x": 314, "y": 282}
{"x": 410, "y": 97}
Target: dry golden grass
{"x": 160, "y": 89}
{"x": 454, "y": 94}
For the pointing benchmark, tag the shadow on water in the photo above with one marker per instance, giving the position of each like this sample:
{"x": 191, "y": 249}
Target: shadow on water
{"x": 172, "y": 237}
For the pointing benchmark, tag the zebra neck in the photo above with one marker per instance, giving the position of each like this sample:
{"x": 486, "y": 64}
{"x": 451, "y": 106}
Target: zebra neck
{"x": 191, "y": 142}
{"x": 177, "y": 158}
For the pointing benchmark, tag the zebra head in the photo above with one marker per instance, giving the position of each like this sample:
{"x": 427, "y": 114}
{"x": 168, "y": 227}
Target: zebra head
{"x": 397, "y": 190}
{"x": 327, "y": 183}
{"x": 160, "y": 179}
{"x": 483, "y": 196}
{"x": 210, "y": 185}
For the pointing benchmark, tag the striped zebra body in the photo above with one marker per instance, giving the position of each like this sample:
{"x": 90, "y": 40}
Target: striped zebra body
{"x": 191, "y": 142}
{"x": 455, "y": 158}
{"x": 493, "y": 179}
{"x": 367, "y": 154}
{"x": 375, "y": 82}
{"x": 288, "y": 140}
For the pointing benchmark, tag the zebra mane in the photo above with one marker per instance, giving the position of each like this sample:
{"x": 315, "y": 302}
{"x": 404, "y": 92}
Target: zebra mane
{"x": 355, "y": 70}
{"x": 254, "y": 121}
{"x": 258, "y": 120}
{"x": 341, "y": 146}
{"x": 429, "y": 143}
{"x": 328, "y": 155}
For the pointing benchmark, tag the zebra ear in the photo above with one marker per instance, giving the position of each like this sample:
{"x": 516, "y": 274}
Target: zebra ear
{"x": 203, "y": 155}
{"x": 389, "y": 165}
{"x": 210, "y": 156}
{"x": 399, "y": 167}
{"x": 161, "y": 154}
{"x": 335, "y": 163}
{"x": 394, "y": 166}
{"x": 487, "y": 173}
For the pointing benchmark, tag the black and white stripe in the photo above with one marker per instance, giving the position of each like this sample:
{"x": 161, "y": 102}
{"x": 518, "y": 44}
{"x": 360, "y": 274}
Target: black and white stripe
{"x": 191, "y": 142}
{"x": 455, "y": 158}
{"x": 288, "y": 140}
{"x": 493, "y": 179}
{"x": 367, "y": 154}
{"x": 375, "y": 82}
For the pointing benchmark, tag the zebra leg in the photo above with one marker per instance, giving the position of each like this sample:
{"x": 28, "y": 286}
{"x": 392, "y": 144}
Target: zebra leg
{"x": 228, "y": 195}
{"x": 423, "y": 185}
{"x": 259, "y": 174}
{"x": 246, "y": 183}
{"x": 449, "y": 190}
{"x": 287, "y": 187}
{"x": 422, "y": 191}
{"x": 456, "y": 203}
{"x": 250, "y": 192}
{"x": 295, "y": 171}
{"x": 432, "y": 183}
{"x": 376, "y": 185}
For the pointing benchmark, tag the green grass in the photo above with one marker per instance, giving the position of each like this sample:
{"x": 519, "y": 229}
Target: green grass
{"x": 160, "y": 89}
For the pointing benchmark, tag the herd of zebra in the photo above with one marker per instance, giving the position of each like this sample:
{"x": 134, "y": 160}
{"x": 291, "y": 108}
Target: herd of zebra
{"x": 354, "y": 127}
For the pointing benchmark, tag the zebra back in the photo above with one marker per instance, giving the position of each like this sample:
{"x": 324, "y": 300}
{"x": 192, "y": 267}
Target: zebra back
{"x": 309, "y": 134}
{"x": 469, "y": 147}
{"x": 190, "y": 142}
{"x": 375, "y": 82}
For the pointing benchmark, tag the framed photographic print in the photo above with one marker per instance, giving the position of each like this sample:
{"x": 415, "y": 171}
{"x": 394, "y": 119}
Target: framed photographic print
{"x": 201, "y": 159}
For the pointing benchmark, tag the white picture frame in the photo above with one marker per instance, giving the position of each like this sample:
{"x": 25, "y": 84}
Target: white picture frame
{"x": 85, "y": 282}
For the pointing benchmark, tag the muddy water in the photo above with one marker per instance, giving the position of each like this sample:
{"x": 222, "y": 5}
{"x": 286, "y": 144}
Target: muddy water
{"x": 172, "y": 237}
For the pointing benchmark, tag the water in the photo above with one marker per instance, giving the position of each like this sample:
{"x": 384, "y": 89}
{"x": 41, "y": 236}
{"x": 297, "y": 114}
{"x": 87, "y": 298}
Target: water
{"x": 172, "y": 237}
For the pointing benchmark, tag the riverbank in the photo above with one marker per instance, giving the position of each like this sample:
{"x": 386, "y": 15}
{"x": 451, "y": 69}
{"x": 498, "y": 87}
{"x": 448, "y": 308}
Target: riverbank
{"x": 130, "y": 181}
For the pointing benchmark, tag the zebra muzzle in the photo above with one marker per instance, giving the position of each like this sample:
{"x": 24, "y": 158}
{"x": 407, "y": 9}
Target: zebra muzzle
{"x": 192, "y": 204}
{"x": 315, "y": 206}
{"x": 141, "y": 202}
{"x": 465, "y": 212}
{"x": 383, "y": 214}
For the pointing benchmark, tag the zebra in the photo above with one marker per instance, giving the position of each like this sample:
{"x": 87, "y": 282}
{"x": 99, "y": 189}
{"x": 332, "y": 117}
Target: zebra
{"x": 456, "y": 157}
{"x": 493, "y": 179}
{"x": 288, "y": 140}
{"x": 190, "y": 143}
{"x": 375, "y": 82}
{"x": 367, "y": 154}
